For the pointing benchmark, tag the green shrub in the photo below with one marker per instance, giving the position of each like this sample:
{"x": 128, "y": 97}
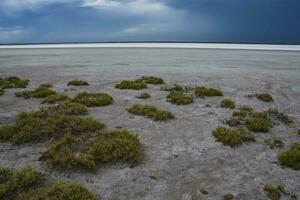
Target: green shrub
{"x": 28, "y": 184}
{"x": 207, "y": 92}
{"x": 176, "y": 87}
{"x": 78, "y": 83}
{"x": 151, "y": 80}
{"x": 259, "y": 122}
{"x": 232, "y": 136}
{"x": 13, "y": 82}
{"x": 47, "y": 85}
{"x": 291, "y": 157}
{"x": 274, "y": 143}
{"x": 274, "y": 190}
{"x": 93, "y": 99}
{"x": 279, "y": 116}
{"x": 228, "y": 103}
{"x": 1, "y": 92}
{"x": 264, "y": 97}
{"x": 69, "y": 191}
{"x": 151, "y": 112}
{"x": 66, "y": 108}
{"x": 55, "y": 98}
{"x": 40, "y": 92}
{"x": 144, "y": 95}
{"x": 85, "y": 152}
{"x": 134, "y": 85}
{"x": 40, "y": 126}
{"x": 233, "y": 121}
{"x": 179, "y": 98}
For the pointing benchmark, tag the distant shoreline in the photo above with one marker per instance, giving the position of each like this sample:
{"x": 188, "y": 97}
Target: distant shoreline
{"x": 178, "y": 45}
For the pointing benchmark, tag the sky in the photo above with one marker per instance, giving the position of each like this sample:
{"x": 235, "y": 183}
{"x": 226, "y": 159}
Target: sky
{"x": 232, "y": 21}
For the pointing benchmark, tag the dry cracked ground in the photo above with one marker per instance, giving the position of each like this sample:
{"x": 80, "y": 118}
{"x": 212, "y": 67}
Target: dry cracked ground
{"x": 181, "y": 159}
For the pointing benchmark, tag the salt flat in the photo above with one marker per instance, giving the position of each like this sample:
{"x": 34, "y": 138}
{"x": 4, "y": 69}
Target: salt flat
{"x": 181, "y": 157}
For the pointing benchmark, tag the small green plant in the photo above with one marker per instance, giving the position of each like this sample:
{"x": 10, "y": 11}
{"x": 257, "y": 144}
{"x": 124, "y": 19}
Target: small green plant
{"x": 207, "y": 92}
{"x": 29, "y": 184}
{"x": 259, "y": 122}
{"x": 66, "y": 108}
{"x": 151, "y": 112}
{"x": 228, "y": 103}
{"x": 264, "y": 97}
{"x": 47, "y": 85}
{"x": 291, "y": 157}
{"x": 93, "y": 99}
{"x": 279, "y": 116}
{"x": 40, "y": 92}
{"x": 134, "y": 85}
{"x": 55, "y": 98}
{"x": 175, "y": 87}
{"x": 151, "y": 80}
{"x": 179, "y": 98}
{"x": 78, "y": 83}
{"x": 42, "y": 125}
{"x": 144, "y": 95}
{"x": 13, "y": 82}
{"x": 232, "y": 137}
{"x": 274, "y": 143}
{"x": 274, "y": 191}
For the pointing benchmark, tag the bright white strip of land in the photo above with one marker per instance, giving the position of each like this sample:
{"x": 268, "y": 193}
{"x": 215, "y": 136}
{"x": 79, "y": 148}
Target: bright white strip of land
{"x": 160, "y": 45}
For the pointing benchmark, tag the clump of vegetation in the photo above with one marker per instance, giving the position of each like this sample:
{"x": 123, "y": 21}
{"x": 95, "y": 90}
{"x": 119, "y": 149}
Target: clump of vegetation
{"x": 279, "y": 116}
{"x": 259, "y": 122}
{"x": 274, "y": 143}
{"x": 42, "y": 125}
{"x": 13, "y": 82}
{"x": 66, "y": 108}
{"x": 1, "y": 92}
{"x": 144, "y": 95}
{"x": 151, "y": 80}
{"x": 56, "y": 98}
{"x": 89, "y": 150}
{"x": 274, "y": 191}
{"x": 176, "y": 87}
{"x": 232, "y": 136}
{"x": 151, "y": 112}
{"x": 228, "y": 103}
{"x": 93, "y": 99}
{"x": 179, "y": 98}
{"x": 264, "y": 97}
{"x": 239, "y": 118}
{"x": 228, "y": 197}
{"x": 291, "y": 157}
{"x": 207, "y": 92}
{"x": 78, "y": 83}
{"x": 134, "y": 85}
{"x": 47, "y": 85}
{"x": 29, "y": 184}
{"x": 40, "y": 92}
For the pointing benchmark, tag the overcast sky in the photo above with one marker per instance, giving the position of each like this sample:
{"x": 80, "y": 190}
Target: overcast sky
{"x": 240, "y": 21}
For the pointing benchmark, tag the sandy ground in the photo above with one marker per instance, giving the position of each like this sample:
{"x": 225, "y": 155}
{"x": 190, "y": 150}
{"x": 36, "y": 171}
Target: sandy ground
{"x": 181, "y": 157}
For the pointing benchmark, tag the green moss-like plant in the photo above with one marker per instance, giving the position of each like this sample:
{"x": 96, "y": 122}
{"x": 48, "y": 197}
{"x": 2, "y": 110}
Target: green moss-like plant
{"x": 176, "y": 87}
{"x": 40, "y": 92}
{"x": 66, "y": 108}
{"x": 274, "y": 143}
{"x": 87, "y": 151}
{"x": 93, "y": 99}
{"x": 47, "y": 85}
{"x": 284, "y": 118}
{"x": 144, "y": 95}
{"x": 291, "y": 157}
{"x": 42, "y": 125}
{"x": 151, "y": 80}
{"x": 27, "y": 184}
{"x": 78, "y": 83}
{"x": 151, "y": 112}
{"x": 264, "y": 97}
{"x": 232, "y": 137}
{"x": 133, "y": 85}
{"x": 207, "y": 92}
{"x": 259, "y": 122}
{"x": 274, "y": 190}
{"x": 55, "y": 98}
{"x": 13, "y": 82}
{"x": 179, "y": 98}
{"x": 227, "y": 103}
